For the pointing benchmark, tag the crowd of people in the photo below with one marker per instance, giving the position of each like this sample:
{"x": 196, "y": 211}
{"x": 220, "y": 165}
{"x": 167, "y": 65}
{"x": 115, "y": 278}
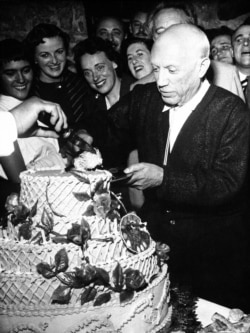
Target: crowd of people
{"x": 164, "y": 100}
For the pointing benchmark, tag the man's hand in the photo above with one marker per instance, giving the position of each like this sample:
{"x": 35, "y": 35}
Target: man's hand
{"x": 85, "y": 136}
{"x": 144, "y": 175}
{"x": 26, "y": 116}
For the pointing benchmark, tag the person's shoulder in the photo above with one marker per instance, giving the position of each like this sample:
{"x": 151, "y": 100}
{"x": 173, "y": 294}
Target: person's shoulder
{"x": 75, "y": 80}
{"x": 225, "y": 92}
{"x": 223, "y": 68}
{"x": 146, "y": 79}
{"x": 126, "y": 82}
{"x": 127, "y": 79}
{"x": 67, "y": 74}
{"x": 8, "y": 102}
{"x": 225, "y": 99}
{"x": 143, "y": 92}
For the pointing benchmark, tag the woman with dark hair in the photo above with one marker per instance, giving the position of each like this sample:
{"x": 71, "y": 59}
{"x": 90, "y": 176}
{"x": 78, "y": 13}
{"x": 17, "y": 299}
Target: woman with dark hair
{"x": 93, "y": 51}
{"x": 100, "y": 65}
{"x": 53, "y": 81}
{"x": 16, "y": 77}
{"x": 137, "y": 52}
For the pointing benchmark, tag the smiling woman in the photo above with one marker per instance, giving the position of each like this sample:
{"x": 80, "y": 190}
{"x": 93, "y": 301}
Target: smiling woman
{"x": 48, "y": 46}
{"x": 137, "y": 52}
{"x": 16, "y": 77}
{"x": 51, "y": 59}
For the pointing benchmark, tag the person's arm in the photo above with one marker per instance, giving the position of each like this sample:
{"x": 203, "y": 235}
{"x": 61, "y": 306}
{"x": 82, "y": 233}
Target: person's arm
{"x": 13, "y": 164}
{"x": 22, "y": 121}
{"x": 26, "y": 116}
{"x": 8, "y": 133}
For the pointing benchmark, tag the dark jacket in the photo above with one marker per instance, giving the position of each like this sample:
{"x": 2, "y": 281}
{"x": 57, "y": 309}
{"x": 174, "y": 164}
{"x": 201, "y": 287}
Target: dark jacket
{"x": 208, "y": 163}
{"x": 70, "y": 93}
{"x": 199, "y": 208}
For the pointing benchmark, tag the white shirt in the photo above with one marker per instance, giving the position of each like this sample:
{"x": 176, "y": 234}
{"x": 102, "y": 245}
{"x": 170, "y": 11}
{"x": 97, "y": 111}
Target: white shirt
{"x": 8, "y": 133}
{"x": 243, "y": 80}
{"x": 242, "y": 76}
{"x": 179, "y": 115}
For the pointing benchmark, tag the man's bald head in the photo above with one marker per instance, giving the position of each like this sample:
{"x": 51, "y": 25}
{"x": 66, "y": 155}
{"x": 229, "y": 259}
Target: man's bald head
{"x": 180, "y": 58}
{"x": 186, "y": 36}
{"x": 166, "y": 17}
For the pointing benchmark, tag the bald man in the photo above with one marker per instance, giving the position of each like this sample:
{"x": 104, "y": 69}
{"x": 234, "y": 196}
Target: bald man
{"x": 193, "y": 143}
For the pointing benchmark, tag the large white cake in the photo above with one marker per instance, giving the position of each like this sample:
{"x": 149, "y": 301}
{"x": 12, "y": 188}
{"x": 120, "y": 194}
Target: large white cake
{"x": 74, "y": 264}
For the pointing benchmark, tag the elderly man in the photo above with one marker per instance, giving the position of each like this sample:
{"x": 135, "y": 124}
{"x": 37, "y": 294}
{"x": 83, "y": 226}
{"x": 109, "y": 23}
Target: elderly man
{"x": 193, "y": 142}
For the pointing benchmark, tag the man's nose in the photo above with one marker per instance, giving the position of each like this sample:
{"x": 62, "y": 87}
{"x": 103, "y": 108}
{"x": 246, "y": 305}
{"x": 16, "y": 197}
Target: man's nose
{"x": 220, "y": 51}
{"x": 110, "y": 37}
{"x": 162, "y": 79}
{"x": 20, "y": 77}
{"x": 141, "y": 28}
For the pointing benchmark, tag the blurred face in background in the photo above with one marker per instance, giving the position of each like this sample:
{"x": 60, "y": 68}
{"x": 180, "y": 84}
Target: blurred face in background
{"x": 112, "y": 30}
{"x": 51, "y": 57}
{"x": 139, "y": 60}
{"x": 221, "y": 49}
{"x": 99, "y": 72}
{"x": 16, "y": 79}
{"x": 165, "y": 18}
{"x": 241, "y": 48}
{"x": 138, "y": 26}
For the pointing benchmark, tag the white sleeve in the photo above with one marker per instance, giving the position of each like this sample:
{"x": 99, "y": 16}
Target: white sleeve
{"x": 8, "y": 133}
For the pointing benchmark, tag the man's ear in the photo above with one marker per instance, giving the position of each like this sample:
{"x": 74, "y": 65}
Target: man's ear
{"x": 130, "y": 30}
{"x": 204, "y": 65}
{"x": 232, "y": 52}
{"x": 114, "y": 64}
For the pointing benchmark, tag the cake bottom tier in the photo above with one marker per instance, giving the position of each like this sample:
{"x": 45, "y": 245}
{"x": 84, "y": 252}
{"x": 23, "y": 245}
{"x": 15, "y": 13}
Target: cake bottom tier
{"x": 148, "y": 311}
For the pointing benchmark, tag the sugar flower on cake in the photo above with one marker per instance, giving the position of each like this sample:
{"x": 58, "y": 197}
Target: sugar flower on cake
{"x": 88, "y": 160}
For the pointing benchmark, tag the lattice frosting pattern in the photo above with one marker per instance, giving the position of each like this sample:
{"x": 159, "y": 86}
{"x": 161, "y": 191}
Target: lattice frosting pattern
{"x": 67, "y": 253}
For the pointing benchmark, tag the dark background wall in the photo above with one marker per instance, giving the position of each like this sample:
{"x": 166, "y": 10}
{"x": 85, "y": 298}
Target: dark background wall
{"x": 17, "y": 17}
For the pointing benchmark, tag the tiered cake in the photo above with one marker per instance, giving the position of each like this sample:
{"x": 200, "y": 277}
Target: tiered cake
{"x": 70, "y": 262}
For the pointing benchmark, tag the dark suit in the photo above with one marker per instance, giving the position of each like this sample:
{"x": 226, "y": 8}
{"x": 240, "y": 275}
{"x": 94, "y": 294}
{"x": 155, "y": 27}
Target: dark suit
{"x": 198, "y": 209}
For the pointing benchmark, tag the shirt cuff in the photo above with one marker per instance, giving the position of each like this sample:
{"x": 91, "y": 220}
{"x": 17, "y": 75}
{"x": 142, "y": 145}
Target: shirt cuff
{"x": 8, "y": 133}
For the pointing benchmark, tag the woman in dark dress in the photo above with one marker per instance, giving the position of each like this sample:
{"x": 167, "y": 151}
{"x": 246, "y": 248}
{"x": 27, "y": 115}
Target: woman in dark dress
{"x": 53, "y": 81}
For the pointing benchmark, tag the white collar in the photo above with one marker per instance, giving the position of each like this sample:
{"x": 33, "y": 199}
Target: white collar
{"x": 242, "y": 76}
{"x": 195, "y": 100}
